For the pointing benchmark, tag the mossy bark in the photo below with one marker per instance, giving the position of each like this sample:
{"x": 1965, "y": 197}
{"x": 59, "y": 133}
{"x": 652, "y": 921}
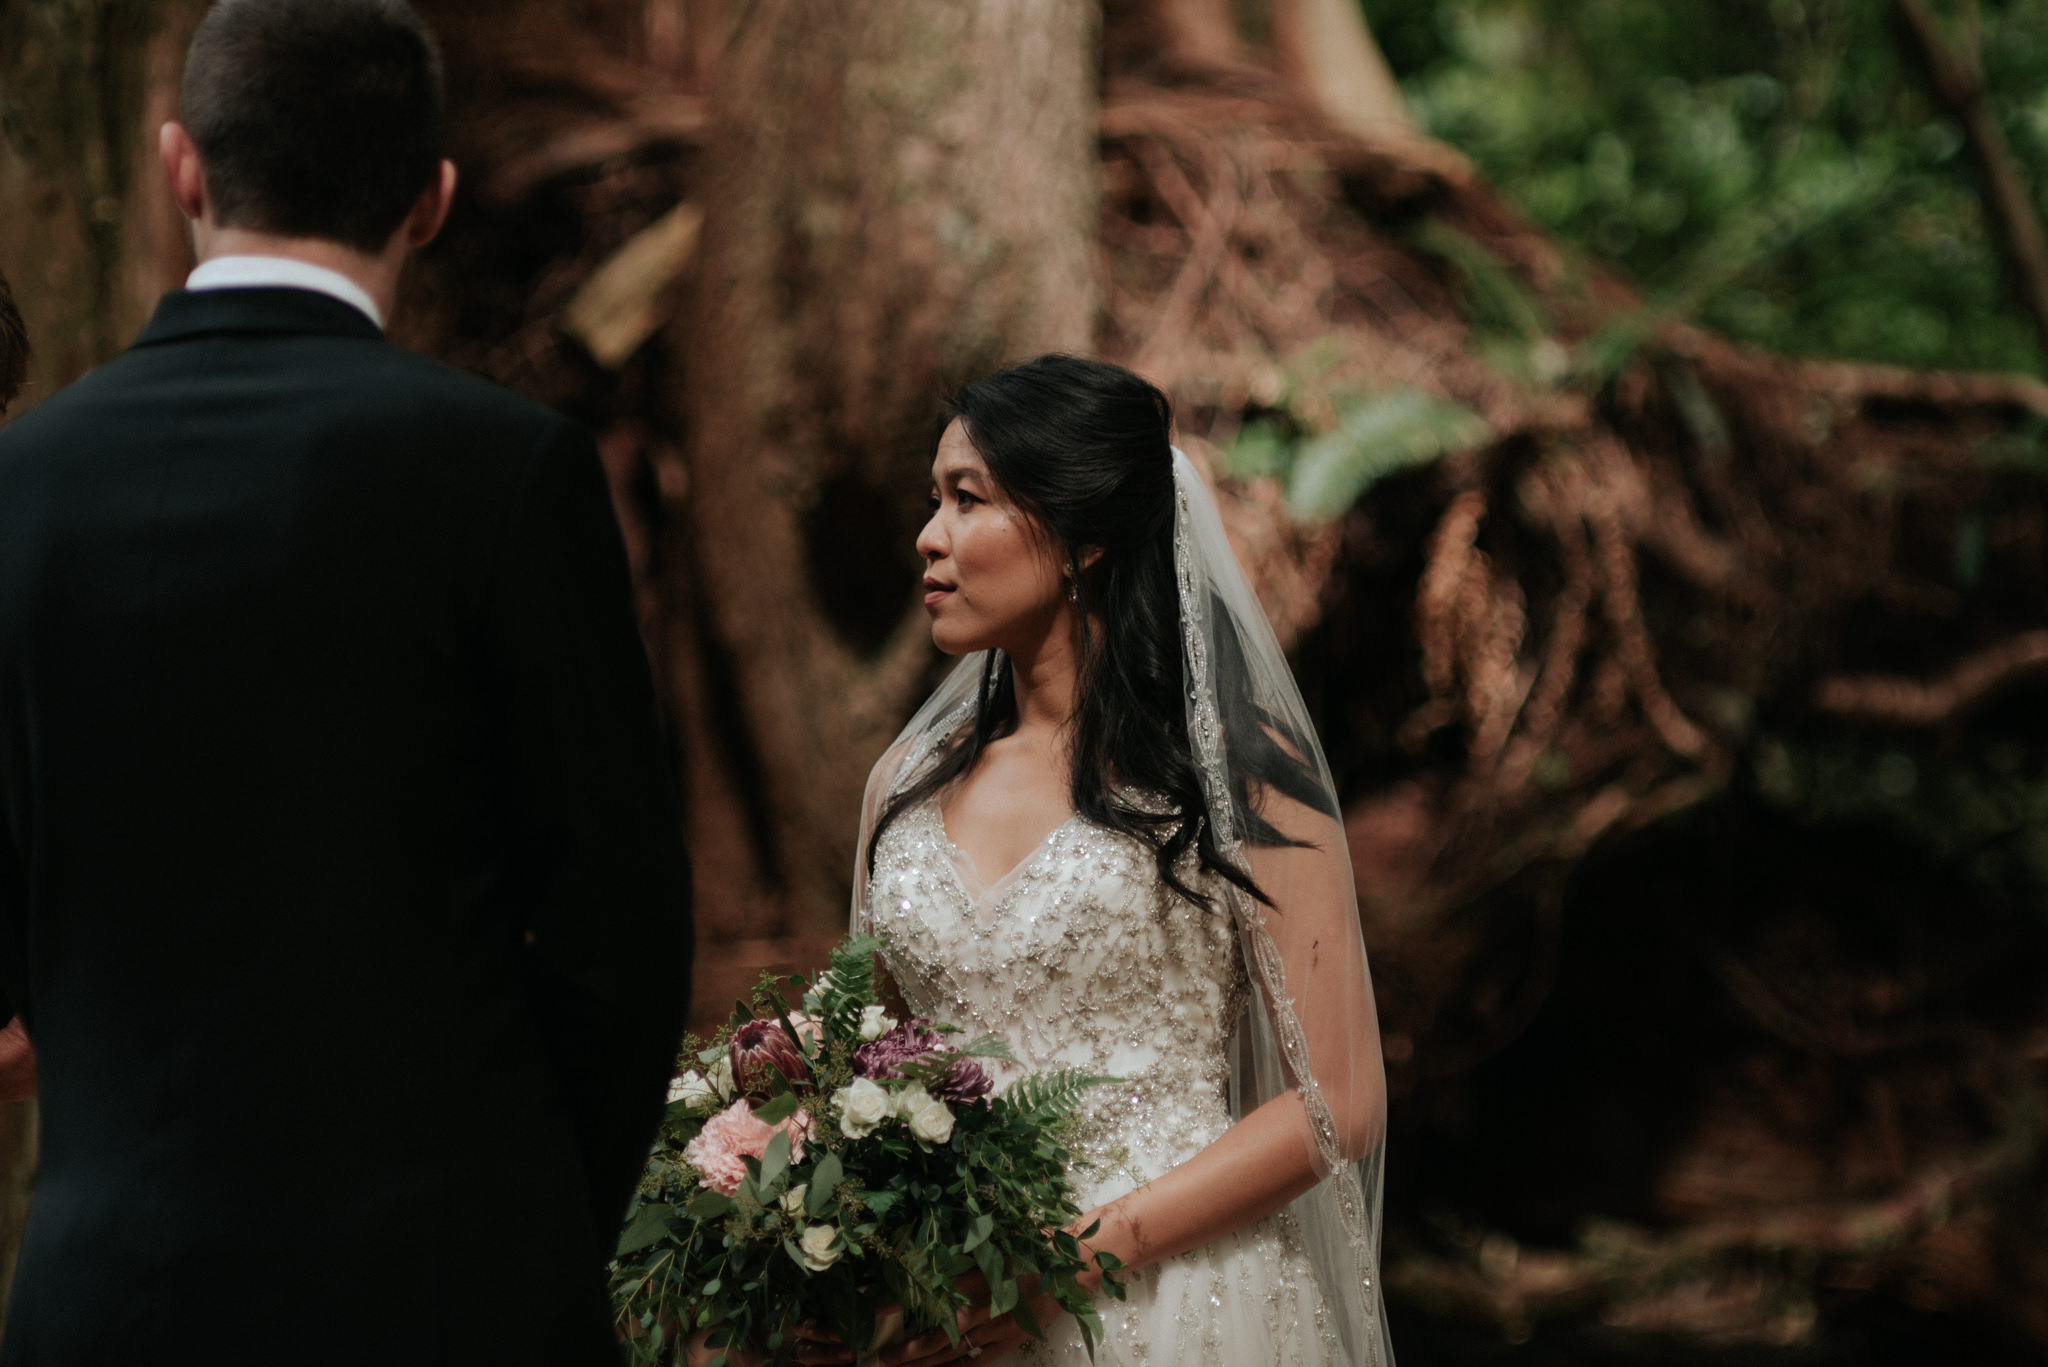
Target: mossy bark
{"x": 899, "y": 195}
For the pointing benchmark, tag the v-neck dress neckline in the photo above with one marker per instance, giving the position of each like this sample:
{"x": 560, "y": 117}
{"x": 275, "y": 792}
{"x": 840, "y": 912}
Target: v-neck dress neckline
{"x": 987, "y": 896}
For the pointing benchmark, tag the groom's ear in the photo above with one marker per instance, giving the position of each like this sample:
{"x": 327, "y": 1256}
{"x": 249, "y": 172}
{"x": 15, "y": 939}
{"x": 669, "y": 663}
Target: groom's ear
{"x": 430, "y": 210}
{"x": 182, "y": 168}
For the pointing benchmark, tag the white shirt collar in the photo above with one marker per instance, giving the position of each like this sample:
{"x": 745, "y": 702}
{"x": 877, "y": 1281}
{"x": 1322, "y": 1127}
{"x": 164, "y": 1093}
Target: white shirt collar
{"x": 257, "y": 272}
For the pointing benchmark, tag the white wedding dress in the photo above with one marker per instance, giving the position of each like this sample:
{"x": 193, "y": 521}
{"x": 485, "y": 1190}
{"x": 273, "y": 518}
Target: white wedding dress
{"x": 1082, "y": 957}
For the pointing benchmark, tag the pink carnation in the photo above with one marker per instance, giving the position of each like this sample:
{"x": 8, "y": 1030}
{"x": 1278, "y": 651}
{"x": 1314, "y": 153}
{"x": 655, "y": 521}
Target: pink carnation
{"x": 729, "y": 1138}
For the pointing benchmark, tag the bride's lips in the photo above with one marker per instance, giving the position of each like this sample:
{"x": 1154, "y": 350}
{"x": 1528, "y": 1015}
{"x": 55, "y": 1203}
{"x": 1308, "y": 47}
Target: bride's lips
{"x": 935, "y": 591}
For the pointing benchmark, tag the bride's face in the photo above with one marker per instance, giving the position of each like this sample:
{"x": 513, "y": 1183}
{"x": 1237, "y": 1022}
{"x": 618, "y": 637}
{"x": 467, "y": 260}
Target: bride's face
{"x": 992, "y": 579}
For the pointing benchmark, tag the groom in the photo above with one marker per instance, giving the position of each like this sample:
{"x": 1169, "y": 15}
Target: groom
{"x": 341, "y": 883}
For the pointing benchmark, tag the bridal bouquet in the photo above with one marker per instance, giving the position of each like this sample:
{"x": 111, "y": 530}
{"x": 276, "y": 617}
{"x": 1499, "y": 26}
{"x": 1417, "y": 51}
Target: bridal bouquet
{"x": 821, "y": 1164}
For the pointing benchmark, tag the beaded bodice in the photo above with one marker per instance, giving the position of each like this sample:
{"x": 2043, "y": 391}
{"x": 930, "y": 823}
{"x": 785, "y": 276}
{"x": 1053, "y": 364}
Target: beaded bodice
{"x": 1080, "y": 957}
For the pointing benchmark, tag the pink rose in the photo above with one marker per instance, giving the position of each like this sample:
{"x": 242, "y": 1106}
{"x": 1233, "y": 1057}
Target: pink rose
{"x": 729, "y": 1138}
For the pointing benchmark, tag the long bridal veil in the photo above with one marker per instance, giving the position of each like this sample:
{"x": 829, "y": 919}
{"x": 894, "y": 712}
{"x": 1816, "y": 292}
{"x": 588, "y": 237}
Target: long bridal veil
{"x": 1309, "y": 1036}
{"x": 1311, "y": 1028}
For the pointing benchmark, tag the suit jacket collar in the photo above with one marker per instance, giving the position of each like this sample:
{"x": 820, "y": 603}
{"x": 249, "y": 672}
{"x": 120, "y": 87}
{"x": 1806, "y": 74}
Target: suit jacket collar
{"x": 192, "y": 313}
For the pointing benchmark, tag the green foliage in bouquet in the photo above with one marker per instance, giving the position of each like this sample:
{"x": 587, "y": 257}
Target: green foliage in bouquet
{"x": 831, "y": 1162}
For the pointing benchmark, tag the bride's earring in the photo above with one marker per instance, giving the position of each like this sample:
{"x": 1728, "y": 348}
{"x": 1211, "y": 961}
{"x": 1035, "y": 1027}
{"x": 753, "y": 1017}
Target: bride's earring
{"x": 1073, "y": 590}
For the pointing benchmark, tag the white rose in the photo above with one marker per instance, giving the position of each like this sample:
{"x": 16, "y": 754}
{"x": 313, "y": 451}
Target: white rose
{"x": 694, "y": 1088}
{"x": 793, "y": 1199}
{"x": 721, "y": 1078}
{"x": 875, "y": 1023}
{"x": 906, "y": 1102}
{"x": 816, "y": 1244}
{"x": 932, "y": 1122}
{"x": 862, "y": 1106}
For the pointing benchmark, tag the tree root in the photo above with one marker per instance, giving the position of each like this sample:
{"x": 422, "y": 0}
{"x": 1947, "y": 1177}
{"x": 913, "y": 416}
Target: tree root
{"x": 1908, "y": 702}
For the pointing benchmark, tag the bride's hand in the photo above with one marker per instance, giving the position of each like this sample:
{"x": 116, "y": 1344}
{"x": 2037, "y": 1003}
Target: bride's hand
{"x": 984, "y": 1338}
{"x": 815, "y": 1348}
{"x": 17, "y": 1063}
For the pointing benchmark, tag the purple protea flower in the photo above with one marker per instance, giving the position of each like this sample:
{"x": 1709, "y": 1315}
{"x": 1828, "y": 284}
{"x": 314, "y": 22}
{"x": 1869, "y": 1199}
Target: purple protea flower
{"x": 759, "y": 1050}
{"x": 885, "y": 1056}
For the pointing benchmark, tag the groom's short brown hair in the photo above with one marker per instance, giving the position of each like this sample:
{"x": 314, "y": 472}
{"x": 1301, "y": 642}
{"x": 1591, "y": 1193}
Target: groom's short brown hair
{"x": 13, "y": 347}
{"x": 315, "y": 118}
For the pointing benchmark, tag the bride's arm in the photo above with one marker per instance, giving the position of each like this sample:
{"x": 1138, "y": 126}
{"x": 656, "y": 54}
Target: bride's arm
{"x": 1273, "y": 1154}
{"x": 1256, "y": 1168}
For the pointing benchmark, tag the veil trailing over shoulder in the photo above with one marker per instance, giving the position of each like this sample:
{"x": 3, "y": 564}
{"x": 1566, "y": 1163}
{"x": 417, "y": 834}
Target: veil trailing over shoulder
{"x": 1309, "y": 1036}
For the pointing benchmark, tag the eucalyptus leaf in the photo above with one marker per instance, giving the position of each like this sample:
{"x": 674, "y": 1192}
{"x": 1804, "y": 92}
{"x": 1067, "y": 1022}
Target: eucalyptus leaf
{"x": 825, "y": 1179}
{"x": 776, "y": 1109}
{"x": 774, "y": 1164}
{"x": 1022, "y": 1310}
{"x": 644, "y": 1230}
{"x": 990, "y": 1260}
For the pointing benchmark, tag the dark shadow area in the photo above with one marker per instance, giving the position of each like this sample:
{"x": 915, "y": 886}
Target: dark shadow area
{"x": 1751, "y": 1014}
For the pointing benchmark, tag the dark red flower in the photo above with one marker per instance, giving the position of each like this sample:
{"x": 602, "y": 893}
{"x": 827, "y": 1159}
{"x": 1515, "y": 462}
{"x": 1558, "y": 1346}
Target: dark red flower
{"x": 760, "y": 1049}
{"x": 967, "y": 1080}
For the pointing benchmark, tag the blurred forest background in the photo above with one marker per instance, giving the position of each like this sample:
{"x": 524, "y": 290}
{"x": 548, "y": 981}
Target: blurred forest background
{"x": 1631, "y": 414}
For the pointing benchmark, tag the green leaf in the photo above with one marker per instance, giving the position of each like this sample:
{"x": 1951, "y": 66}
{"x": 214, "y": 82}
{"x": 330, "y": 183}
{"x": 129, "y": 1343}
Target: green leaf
{"x": 1048, "y": 1096}
{"x": 1377, "y": 435}
{"x": 987, "y": 1046}
{"x": 796, "y": 1255}
{"x": 776, "y": 1109}
{"x": 880, "y": 1202}
{"x": 978, "y": 1231}
{"x": 1259, "y": 449}
{"x": 1022, "y": 1310}
{"x": 825, "y": 1178}
{"x": 710, "y": 1205}
{"x": 990, "y": 1260}
{"x": 1492, "y": 298}
{"x": 645, "y": 1230}
{"x": 774, "y": 1164}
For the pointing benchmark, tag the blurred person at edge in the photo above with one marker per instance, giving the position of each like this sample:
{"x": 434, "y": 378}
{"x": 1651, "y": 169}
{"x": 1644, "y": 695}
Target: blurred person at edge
{"x": 342, "y": 885}
{"x": 17, "y": 1058}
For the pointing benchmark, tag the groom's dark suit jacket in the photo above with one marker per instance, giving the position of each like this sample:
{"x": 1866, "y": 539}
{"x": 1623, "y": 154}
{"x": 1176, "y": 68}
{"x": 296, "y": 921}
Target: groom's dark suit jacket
{"x": 341, "y": 882}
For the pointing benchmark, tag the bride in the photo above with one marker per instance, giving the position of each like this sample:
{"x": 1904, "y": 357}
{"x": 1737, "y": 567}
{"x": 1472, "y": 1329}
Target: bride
{"x": 1111, "y": 838}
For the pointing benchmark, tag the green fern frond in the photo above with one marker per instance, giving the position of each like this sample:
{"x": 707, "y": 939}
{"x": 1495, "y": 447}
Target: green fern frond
{"x": 1051, "y": 1096}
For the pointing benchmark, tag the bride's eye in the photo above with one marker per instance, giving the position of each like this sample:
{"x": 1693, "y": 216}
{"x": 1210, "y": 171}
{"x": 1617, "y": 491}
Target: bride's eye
{"x": 931, "y": 500}
{"x": 963, "y": 498}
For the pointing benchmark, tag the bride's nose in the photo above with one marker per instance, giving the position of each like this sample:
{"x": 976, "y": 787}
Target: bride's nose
{"x": 931, "y": 542}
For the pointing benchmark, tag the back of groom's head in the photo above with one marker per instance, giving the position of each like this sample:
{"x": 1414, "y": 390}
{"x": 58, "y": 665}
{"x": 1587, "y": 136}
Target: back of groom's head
{"x": 315, "y": 118}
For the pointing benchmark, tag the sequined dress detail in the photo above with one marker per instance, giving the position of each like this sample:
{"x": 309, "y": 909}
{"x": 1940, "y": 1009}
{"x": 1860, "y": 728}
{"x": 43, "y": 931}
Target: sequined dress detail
{"x": 1083, "y": 957}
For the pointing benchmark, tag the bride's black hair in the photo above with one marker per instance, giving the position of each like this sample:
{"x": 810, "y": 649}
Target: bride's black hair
{"x": 1085, "y": 449}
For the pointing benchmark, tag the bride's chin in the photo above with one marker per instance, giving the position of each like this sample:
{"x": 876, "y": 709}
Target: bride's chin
{"x": 954, "y": 642}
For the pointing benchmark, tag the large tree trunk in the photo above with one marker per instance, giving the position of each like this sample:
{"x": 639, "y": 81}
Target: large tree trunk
{"x": 1194, "y": 31}
{"x": 89, "y": 236}
{"x": 89, "y": 239}
{"x": 1326, "y": 48}
{"x": 899, "y": 195}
